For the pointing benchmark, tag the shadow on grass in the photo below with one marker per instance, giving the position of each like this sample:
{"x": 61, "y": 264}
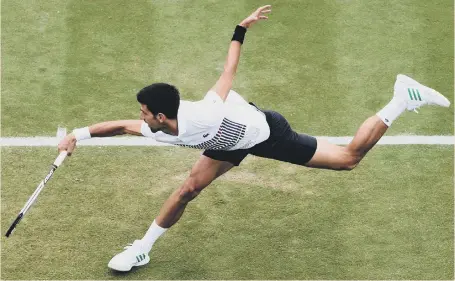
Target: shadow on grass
{"x": 117, "y": 273}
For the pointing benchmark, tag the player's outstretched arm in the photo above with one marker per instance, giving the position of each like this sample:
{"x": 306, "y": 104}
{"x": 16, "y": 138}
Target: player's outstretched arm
{"x": 224, "y": 83}
{"x": 104, "y": 129}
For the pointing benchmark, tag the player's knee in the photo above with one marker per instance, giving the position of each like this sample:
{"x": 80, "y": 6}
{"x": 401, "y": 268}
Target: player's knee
{"x": 351, "y": 162}
{"x": 189, "y": 190}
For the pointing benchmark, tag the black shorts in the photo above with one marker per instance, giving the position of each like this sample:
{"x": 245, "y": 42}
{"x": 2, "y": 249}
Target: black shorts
{"x": 284, "y": 144}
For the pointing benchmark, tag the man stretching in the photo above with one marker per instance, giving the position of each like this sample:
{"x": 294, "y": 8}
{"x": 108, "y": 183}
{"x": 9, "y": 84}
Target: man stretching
{"x": 228, "y": 128}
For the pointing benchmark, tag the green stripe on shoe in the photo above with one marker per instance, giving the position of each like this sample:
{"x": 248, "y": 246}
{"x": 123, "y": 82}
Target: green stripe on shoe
{"x": 418, "y": 94}
{"x": 140, "y": 257}
{"x": 414, "y": 93}
{"x": 409, "y": 92}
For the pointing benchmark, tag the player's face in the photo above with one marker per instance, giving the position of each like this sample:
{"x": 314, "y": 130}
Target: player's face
{"x": 154, "y": 123}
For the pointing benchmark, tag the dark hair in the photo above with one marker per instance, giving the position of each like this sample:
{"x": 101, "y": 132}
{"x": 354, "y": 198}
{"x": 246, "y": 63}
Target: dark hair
{"x": 160, "y": 98}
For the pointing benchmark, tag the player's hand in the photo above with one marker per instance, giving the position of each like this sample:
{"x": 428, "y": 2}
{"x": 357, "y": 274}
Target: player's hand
{"x": 257, "y": 15}
{"x": 67, "y": 144}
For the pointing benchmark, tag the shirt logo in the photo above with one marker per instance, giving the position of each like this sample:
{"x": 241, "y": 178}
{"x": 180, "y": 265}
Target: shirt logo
{"x": 206, "y": 135}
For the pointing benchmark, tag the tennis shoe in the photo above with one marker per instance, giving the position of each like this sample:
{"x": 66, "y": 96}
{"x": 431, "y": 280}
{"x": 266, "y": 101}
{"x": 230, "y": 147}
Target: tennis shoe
{"x": 416, "y": 95}
{"x": 133, "y": 255}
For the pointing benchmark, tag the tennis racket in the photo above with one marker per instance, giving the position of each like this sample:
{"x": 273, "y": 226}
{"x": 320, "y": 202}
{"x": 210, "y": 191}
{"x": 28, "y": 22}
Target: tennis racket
{"x": 35, "y": 194}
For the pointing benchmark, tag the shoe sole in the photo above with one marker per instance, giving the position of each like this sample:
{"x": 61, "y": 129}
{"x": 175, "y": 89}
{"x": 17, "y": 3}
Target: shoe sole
{"x": 125, "y": 269}
{"x": 437, "y": 98}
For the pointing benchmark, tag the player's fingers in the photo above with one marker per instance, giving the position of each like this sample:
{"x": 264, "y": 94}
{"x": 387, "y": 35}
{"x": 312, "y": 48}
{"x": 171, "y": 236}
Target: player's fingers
{"x": 266, "y": 11}
{"x": 71, "y": 148}
{"x": 265, "y": 7}
{"x": 263, "y": 17}
{"x": 61, "y": 147}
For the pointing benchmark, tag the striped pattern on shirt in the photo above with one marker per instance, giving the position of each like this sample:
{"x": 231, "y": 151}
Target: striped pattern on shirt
{"x": 228, "y": 135}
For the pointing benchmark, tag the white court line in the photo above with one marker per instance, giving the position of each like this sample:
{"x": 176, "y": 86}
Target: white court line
{"x": 142, "y": 141}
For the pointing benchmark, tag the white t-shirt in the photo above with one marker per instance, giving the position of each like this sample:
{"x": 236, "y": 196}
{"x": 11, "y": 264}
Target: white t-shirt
{"x": 216, "y": 125}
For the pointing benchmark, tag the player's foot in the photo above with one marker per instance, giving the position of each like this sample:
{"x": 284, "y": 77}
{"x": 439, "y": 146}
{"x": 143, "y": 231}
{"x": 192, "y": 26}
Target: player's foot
{"x": 415, "y": 94}
{"x": 134, "y": 255}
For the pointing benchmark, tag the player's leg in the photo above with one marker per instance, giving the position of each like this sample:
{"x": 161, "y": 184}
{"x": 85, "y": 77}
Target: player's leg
{"x": 335, "y": 157}
{"x": 408, "y": 94}
{"x": 211, "y": 164}
{"x": 202, "y": 174}
{"x": 286, "y": 145}
{"x": 204, "y": 171}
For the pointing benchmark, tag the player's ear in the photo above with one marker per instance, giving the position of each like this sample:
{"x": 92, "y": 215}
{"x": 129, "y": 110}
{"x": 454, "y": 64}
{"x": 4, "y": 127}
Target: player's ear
{"x": 161, "y": 117}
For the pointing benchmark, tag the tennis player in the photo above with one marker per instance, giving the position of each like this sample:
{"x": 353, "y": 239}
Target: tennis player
{"x": 228, "y": 128}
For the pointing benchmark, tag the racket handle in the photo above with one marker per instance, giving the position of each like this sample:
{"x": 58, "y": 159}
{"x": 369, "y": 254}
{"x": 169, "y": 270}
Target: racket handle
{"x": 60, "y": 158}
{"x": 13, "y": 225}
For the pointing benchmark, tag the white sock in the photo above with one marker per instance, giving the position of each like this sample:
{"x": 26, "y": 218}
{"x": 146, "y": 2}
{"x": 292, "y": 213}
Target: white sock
{"x": 391, "y": 111}
{"x": 154, "y": 232}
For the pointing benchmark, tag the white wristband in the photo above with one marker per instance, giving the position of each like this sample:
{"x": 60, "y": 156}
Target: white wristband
{"x": 82, "y": 133}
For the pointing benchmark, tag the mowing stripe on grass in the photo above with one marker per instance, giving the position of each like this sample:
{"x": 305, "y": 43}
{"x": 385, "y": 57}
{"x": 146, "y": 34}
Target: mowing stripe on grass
{"x": 142, "y": 141}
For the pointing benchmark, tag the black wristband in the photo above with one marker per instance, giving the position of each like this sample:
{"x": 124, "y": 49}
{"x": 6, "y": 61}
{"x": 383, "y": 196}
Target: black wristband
{"x": 239, "y": 34}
